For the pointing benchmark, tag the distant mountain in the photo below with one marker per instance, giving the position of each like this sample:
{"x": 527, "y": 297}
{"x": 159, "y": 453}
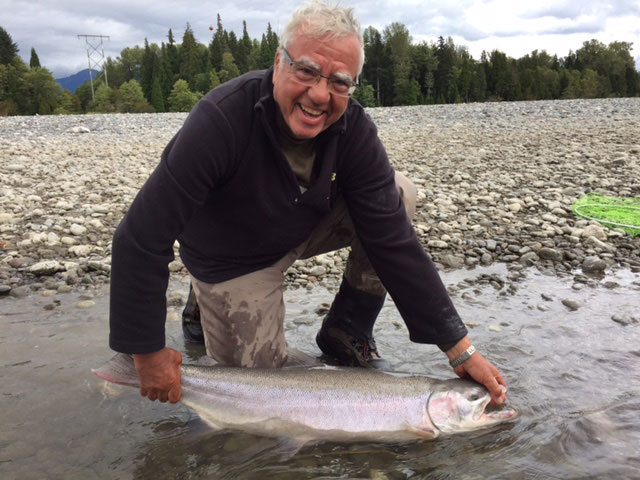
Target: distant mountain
{"x": 74, "y": 81}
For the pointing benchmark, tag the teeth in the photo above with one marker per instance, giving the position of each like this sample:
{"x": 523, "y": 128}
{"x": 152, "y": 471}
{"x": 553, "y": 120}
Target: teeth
{"x": 315, "y": 113}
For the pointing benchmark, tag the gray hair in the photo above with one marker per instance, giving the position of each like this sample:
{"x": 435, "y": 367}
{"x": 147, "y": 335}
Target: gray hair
{"x": 318, "y": 19}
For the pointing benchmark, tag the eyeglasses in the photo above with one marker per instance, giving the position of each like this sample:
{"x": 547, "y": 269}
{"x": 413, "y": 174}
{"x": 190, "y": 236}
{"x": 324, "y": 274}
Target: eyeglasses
{"x": 309, "y": 76}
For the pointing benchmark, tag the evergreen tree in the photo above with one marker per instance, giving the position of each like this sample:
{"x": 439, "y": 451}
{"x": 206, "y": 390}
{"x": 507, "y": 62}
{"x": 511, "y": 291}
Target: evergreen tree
{"x": 166, "y": 75}
{"x": 373, "y": 70}
{"x": 214, "y": 80}
{"x": 268, "y": 47}
{"x": 233, "y": 45}
{"x": 8, "y": 49}
{"x": 34, "y": 62}
{"x": 218, "y": 45}
{"x": 173, "y": 63}
{"x": 244, "y": 50}
{"x": 229, "y": 69}
{"x": 425, "y": 64}
{"x": 445, "y": 75}
{"x": 189, "y": 58}
{"x": 397, "y": 37}
{"x": 147, "y": 70}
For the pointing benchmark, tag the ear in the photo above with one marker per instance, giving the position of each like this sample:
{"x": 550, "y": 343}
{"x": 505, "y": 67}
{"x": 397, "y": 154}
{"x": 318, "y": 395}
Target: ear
{"x": 276, "y": 65}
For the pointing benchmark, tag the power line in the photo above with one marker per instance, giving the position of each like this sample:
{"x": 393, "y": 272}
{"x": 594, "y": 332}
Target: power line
{"x": 95, "y": 55}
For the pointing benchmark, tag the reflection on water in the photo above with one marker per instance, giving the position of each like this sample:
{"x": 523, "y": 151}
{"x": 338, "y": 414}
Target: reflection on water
{"x": 573, "y": 375}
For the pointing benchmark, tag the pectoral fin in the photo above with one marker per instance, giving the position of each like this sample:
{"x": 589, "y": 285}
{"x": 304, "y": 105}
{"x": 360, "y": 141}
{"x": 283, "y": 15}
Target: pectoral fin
{"x": 288, "y": 447}
{"x": 426, "y": 433}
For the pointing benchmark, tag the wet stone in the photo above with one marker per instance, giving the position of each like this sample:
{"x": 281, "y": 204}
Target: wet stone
{"x": 626, "y": 320}
{"x": 4, "y": 290}
{"x": 593, "y": 264}
{"x": 571, "y": 304}
{"x": 85, "y": 304}
{"x": 20, "y": 292}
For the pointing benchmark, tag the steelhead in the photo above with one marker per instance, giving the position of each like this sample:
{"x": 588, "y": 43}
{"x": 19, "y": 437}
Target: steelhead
{"x": 326, "y": 403}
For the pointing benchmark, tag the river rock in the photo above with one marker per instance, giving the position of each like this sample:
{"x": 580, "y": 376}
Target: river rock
{"x": 553, "y": 254}
{"x": 595, "y": 231}
{"x": 571, "y": 304}
{"x": 48, "y": 267}
{"x": 593, "y": 264}
{"x": 626, "y": 319}
{"x": 85, "y": 304}
{"x": 452, "y": 261}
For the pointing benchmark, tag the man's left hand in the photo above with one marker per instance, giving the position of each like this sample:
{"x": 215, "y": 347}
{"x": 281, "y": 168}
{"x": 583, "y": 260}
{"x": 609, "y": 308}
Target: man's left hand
{"x": 479, "y": 369}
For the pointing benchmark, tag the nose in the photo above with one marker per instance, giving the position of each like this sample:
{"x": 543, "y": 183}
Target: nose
{"x": 319, "y": 93}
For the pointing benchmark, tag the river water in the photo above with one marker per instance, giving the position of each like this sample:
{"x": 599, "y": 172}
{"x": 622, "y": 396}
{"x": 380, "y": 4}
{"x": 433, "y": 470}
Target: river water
{"x": 574, "y": 376}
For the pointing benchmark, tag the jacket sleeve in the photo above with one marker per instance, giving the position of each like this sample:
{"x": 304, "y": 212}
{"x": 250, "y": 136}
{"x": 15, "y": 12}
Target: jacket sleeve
{"x": 192, "y": 163}
{"x": 391, "y": 244}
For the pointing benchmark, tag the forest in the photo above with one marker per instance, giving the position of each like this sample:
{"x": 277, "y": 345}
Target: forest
{"x": 172, "y": 76}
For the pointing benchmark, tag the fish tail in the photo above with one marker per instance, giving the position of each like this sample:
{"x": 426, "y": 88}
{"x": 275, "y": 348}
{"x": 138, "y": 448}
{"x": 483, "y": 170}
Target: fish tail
{"x": 120, "y": 369}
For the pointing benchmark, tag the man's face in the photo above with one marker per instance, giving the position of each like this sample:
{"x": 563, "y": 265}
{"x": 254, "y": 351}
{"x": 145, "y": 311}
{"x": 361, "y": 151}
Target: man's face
{"x": 309, "y": 110}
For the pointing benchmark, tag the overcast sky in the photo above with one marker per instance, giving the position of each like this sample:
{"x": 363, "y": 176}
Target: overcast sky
{"x": 512, "y": 26}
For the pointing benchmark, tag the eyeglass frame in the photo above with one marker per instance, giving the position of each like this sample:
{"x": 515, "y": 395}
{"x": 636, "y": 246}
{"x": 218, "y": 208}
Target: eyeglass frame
{"x": 318, "y": 76}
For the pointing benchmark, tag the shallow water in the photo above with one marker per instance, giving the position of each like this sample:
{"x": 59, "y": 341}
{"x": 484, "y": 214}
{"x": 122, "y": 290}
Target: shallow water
{"x": 574, "y": 376}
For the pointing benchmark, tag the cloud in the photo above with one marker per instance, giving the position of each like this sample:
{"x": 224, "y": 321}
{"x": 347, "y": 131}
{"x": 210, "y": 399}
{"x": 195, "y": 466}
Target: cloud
{"x": 51, "y": 27}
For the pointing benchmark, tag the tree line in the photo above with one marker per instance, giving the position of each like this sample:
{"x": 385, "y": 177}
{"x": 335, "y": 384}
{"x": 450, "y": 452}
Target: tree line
{"x": 173, "y": 76}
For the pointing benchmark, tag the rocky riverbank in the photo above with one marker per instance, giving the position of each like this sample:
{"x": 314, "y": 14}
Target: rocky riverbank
{"x": 495, "y": 182}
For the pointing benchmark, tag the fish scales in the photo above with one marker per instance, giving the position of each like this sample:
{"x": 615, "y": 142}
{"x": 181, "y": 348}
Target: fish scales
{"x": 326, "y": 403}
{"x": 324, "y": 399}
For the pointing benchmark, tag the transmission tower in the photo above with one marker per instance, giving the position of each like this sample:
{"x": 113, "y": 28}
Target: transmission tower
{"x": 95, "y": 55}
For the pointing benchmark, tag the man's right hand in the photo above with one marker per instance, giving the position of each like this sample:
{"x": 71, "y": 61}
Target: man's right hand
{"x": 159, "y": 374}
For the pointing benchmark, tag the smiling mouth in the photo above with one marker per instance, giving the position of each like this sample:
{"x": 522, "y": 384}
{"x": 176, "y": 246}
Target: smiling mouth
{"x": 310, "y": 111}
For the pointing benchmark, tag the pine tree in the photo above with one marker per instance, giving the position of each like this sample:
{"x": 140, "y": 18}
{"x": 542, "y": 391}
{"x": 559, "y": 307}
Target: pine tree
{"x": 147, "y": 73}
{"x": 157, "y": 98}
{"x": 166, "y": 75}
{"x": 214, "y": 80}
{"x": 244, "y": 50}
{"x": 229, "y": 69}
{"x": 189, "y": 58}
{"x": 8, "y": 49}
{"x": 172, "y": 59}
{"x": 374, "y": 68}
{"x": 218, "y": 45}
{"x": 268, "y": 47}
{"x": 35, "y": 61}
{"x": 397, "y": 38}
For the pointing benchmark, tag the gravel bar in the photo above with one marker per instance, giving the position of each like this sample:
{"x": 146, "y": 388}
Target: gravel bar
{"x": 496, "y": 182}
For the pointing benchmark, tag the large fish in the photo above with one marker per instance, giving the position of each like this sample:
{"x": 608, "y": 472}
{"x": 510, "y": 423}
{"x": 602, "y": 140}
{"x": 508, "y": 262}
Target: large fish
{"x": 326, "y": 403}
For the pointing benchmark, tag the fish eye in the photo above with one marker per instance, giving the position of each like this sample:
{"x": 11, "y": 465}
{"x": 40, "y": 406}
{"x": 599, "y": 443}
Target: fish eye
{"x": 474, "y": 397}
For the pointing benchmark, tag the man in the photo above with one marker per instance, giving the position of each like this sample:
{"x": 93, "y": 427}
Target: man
{"x": 268, "y": 168}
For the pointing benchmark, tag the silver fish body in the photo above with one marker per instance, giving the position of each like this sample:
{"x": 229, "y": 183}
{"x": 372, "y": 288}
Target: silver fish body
{"x": 326, "y": 403}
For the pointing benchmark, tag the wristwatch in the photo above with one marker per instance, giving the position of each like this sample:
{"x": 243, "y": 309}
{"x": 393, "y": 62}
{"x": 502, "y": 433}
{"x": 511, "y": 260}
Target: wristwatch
{"x": 463, "y": 357}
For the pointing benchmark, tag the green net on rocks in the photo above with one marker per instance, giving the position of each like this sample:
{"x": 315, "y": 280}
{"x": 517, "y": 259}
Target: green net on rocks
{"x": 613, "y": 212}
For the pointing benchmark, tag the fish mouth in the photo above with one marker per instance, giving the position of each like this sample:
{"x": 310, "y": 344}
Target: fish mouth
{"x": 451, "y": 413}
{"x": 494, "y": 414}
